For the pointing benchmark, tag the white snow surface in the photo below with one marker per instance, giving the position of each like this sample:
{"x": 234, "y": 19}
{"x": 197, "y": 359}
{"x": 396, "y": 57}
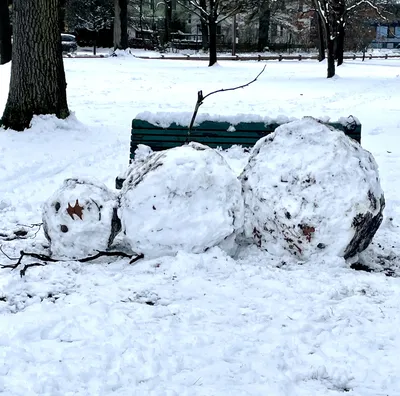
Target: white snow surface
{"x": 310, "y": 201}
{"x": 195, "y": 324}
{"x": 165, "y": 119}
{"x": 185, "y": 198}
{"x": 78, "y": 218}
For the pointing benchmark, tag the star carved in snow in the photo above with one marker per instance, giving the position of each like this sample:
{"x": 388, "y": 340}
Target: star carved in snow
{"x": 75, "y": 210}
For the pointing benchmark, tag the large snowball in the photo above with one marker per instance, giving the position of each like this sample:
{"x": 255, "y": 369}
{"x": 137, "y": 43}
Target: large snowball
{"x": 185, "y": 198}
{"x": 80, "y": 218}
{"x": 309, "y": 188}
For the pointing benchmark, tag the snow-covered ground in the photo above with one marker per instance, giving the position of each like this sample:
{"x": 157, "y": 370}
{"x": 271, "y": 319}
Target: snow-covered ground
{"x": 196, "y": 324}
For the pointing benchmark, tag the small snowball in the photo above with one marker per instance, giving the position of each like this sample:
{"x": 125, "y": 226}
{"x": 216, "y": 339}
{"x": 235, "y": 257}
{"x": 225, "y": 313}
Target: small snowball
{"x": 80, "y": 218}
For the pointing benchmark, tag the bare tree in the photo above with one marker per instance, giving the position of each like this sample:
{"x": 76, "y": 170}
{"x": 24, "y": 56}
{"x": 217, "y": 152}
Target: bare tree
{"x": 268, "y": 13}
{"x": 212, "y": 12}
{"x": 5, "y": 33}
{"x": 93, "y": 15}
{"x": 333, "y": 15}
{"x": 37, "y": 84}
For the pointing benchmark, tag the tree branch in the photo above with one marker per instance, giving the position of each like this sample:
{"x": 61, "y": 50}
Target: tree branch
{"x": 230, "y": 14}
{"x": 367, "y": 2}
{"x": 195, "y": 6}
{"x": 200, "y": 97}
{"x": 47, "y": 259}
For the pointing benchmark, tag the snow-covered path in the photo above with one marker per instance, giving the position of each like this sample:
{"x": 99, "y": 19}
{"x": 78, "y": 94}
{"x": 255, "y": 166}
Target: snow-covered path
{"x": 196, "y": 324}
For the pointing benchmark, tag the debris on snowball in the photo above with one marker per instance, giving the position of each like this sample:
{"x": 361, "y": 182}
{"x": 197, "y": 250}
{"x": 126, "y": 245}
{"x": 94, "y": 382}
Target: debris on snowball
{"x": 309, "y": 188}
{"x": 185, "y": 198}
{"x": 80, "y": 218}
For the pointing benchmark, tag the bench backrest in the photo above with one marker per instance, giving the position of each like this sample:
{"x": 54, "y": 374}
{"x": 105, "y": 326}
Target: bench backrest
{"x": 213, "y": 134}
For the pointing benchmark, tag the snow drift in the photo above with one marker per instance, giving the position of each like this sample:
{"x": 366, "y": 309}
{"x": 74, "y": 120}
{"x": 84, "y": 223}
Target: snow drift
{"x": 80, "y": 218}
{"x": 185, "y": 198}
{"x": 309, "y": 188}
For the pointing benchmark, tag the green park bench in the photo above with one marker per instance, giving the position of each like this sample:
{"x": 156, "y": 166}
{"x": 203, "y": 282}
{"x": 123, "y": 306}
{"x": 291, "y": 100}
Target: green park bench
{"x": 214, "y": 134}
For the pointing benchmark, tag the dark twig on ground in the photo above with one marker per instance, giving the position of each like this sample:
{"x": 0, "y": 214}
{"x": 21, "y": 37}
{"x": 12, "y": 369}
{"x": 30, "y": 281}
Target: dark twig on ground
{"x": 200, "y": 97}
{"x": 48, "y": 259}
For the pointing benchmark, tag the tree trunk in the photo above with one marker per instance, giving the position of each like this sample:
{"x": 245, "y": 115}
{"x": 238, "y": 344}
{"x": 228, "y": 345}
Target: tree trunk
{"x": 37, "y": 84}
{"x": 117, "y": 25}
{"x": 124, "y": 23}
{"x": 263, "y": 26}
{"x": 121, "y": 24}
{"x": 331, "y": 57}
{"x": 167, "y": 21}
{"x": 204, "y": 35}
{"x": 338, "y": 8}
{"x": 61, "y": 17}
{"x": 212, "y": 25}
{"x": 340, "y": 45}
{"x": 321, "y": 39}
{"x": 5, "y": 33}
{"x": 204, "y": 26}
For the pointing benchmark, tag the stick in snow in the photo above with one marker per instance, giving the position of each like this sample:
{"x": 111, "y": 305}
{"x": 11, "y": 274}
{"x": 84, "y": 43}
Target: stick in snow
{"x": 200, "y": 97}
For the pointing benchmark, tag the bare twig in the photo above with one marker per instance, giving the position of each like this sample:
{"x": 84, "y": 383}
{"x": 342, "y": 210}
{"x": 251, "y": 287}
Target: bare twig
{"x": 5, "y": 254}
{"x": 200, "y": 97}
{"x": 23, "y": 271}
{"x": 101, "y": 254}
{"x": 137, "y": 258}
{"x": 46, "y": 259}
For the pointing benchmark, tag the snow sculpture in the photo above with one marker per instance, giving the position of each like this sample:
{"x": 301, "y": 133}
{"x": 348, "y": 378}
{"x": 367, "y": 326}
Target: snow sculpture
{"x": 80, "y": 218}
{"x": 185, "y": 198}
{"x": 309, "y": 188}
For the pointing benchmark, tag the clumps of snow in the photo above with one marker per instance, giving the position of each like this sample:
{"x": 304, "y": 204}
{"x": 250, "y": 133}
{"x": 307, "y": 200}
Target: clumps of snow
{"x": 5, "y": 204}
{"x": 142, "y": 152}
{"x": 80, "y": 218}
{"x": 309, "y": 188}
{"x": 186, "y": 198}
{"x": 49, "y": 123}
{"x": 350, "y": 120}
{"x": 165, "y": 120}
{"x": 120, "y": 52}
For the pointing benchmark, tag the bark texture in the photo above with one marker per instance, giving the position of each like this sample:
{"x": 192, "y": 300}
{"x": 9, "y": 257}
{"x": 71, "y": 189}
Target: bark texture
{"x": 204, "y": 26}
{"x": 5, "y": 33}
{"x": 212, "y": 30}
{"x": 263, "y": 26}
{"x": 117, "y": 25}
{"x": 331, "y": 57}
{"x": 321, "y": 39}
{"x": 340, "y": 45}
{"x": 167, "y": 21}
{"x": 212, "y": 26}
{"x": 37, "y": 84}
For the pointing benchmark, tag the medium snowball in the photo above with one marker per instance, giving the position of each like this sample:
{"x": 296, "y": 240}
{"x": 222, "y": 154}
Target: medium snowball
{"x": 185, "y": 198}
{"x": 309, "y": 188}
{"x": 80, "y": 218}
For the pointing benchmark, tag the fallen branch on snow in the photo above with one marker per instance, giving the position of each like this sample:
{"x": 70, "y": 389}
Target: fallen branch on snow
{"x": 47, "y": 259}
